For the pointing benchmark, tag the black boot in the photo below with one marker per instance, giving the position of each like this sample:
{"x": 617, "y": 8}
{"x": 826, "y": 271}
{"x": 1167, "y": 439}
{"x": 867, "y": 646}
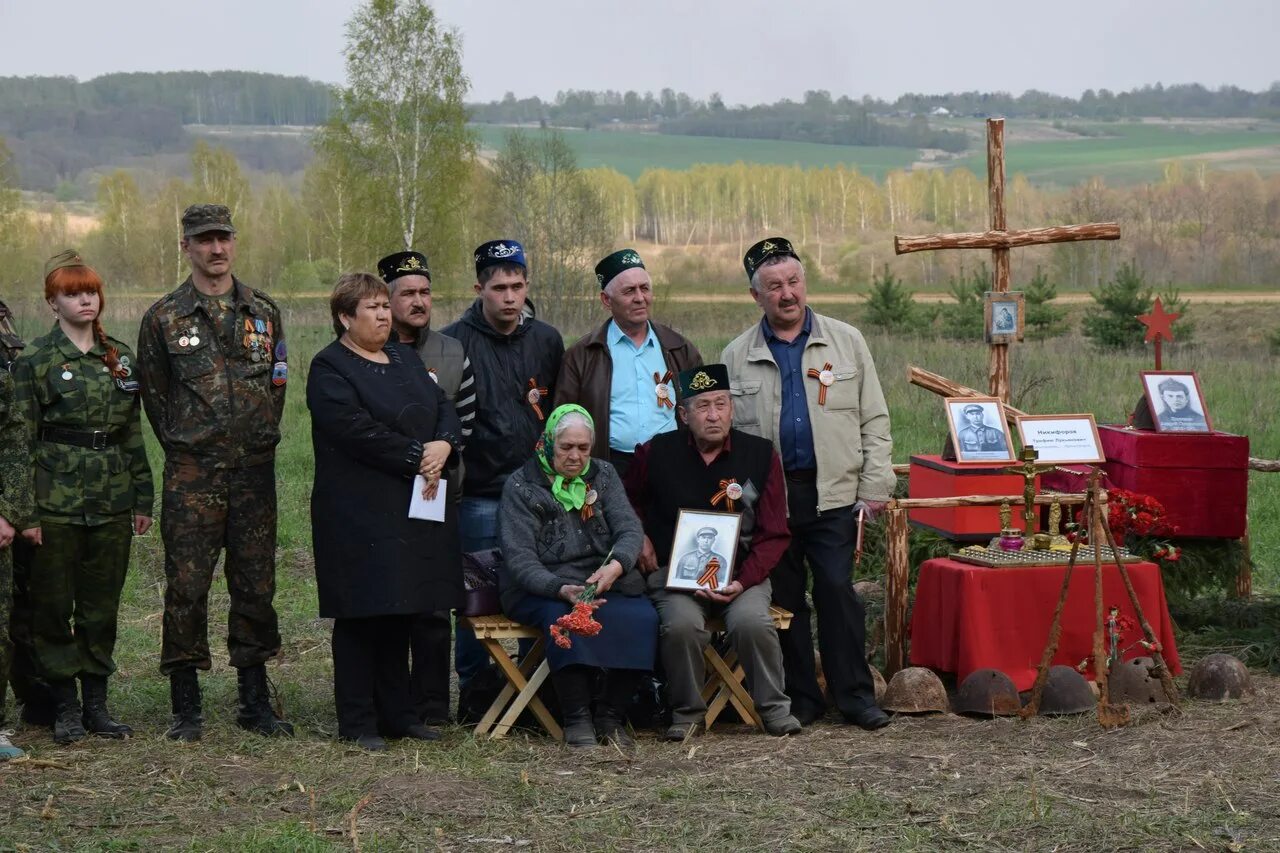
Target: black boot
{"x": 97, "y": 720}
{"x": 67, "y": 727}
{"x": 573, "y": 687}
{"x": 611, "y": 711}
{"x": 254, "y": 713}
{"x": 184, "y": 692}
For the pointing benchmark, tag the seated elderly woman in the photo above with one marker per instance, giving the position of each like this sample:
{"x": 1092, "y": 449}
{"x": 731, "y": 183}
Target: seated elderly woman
{"x": 377, "y": 421}
{"x": 564, "y": 524}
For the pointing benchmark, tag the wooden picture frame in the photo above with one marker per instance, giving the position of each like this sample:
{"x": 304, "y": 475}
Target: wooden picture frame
{"x": 691, "y": 553}
{"x": 1003, "y": 316}
{"x": 1192, "y": 417}
{"x": 1062, "y": 439}
{"x": 976, "y": 441}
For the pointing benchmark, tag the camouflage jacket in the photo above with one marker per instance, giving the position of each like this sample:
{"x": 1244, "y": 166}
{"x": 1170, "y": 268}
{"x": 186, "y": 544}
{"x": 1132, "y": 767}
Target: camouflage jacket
{"x": 15, "y": 480}
{"x": 216, "y": 407}
{"x": 60, "y": 387}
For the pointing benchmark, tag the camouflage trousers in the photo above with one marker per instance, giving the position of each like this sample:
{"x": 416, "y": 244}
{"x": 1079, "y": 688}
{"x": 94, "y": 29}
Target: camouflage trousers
{"x": 204, "y": 511}
{"x": 71, "y": 598}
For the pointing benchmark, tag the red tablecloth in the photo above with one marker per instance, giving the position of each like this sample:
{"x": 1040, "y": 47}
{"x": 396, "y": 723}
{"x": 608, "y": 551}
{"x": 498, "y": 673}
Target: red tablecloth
{"x": 968, "y": 617}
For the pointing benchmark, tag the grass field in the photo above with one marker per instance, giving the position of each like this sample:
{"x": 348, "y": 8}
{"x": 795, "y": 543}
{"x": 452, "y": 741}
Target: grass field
{"x": 1203, "y": 779}
{"x": 1121, "y": 153}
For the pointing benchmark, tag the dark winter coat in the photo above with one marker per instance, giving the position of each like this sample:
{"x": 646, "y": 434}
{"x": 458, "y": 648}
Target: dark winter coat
{"x": 369, "y": 423}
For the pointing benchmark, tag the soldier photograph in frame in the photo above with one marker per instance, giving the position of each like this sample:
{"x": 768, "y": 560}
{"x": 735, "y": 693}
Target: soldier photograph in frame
{"x": 703, "y": 550}
{"x": 978, "y": 428}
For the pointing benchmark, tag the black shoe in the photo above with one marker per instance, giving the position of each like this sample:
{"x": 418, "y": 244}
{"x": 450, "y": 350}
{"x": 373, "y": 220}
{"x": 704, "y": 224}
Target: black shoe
{"x": 869, "y": 718}
{"x": 371, "y": 743}
{"x": 807, "y": 714}
{"x": 611, "y": 728}
{"x": 184, "y": 693}
{"x": 579, "y": 731}
{"x": 97, "y": 720}
{"x": 67, "y": 725}
{"x": 785, "y": 725}
{"x": 418, "y": 731}
{"x": 254, "y": 713}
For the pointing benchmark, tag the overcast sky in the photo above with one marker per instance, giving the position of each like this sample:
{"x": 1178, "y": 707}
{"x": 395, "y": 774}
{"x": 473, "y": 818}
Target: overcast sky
{"x": 748, "y": 51}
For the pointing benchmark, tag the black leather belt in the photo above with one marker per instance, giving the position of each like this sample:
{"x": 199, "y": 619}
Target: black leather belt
{"x": 96, "y": 439}
{"x": 803, "y": 475}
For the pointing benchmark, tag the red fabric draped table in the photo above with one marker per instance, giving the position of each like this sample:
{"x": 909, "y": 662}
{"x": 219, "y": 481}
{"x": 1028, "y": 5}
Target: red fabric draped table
{"x": 970, "y": 617}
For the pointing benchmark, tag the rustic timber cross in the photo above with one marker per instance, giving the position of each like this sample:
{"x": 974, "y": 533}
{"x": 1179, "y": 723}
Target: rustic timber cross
{"x": 1000, "y": 240}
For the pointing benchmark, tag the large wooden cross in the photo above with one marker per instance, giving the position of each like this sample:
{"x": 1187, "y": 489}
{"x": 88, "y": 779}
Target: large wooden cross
{"x": 1000, "y": 240}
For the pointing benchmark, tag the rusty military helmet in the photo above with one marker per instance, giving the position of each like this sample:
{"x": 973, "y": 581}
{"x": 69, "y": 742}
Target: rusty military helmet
{"x": 1133, "y": 681}
{"x": 881, "y": 685}
{"x": 1066, "y": 691}
{"x": 915, "y": 690}
{"x": 987, "y": 693}
{"x": 1219, "y": 677}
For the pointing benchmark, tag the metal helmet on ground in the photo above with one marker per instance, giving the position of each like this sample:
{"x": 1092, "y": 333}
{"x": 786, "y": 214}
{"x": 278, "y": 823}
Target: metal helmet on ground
{"x": 869, "y": 591}
{"x": 987, "y": 693}
{"x": 915, "y": 690}
{"x": 1219, "y": 677}
{"x": 1133, "y": 681}
{"x": 1066, "y": 692}
{"x": 880, "y": 683}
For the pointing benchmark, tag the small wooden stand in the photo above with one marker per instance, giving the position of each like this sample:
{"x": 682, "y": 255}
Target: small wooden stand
{"x": 725, "y": 676}
{"x": 523, "y": 681}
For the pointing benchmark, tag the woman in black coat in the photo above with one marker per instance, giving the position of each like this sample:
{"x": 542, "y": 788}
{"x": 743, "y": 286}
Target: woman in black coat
{"x": 377, "y": 420}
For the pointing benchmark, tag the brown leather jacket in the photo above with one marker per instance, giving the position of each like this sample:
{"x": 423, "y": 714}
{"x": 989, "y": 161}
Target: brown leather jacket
{"x": 586, "y": 374}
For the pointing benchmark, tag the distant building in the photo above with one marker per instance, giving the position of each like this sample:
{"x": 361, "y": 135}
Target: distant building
{"x": 941, "y": 112}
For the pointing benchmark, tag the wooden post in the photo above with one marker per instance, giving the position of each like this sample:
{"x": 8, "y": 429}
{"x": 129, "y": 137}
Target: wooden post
{"x": 1244, "y": 579}
{"x": 998, "y": 363}
{"x": 897, "y": 580}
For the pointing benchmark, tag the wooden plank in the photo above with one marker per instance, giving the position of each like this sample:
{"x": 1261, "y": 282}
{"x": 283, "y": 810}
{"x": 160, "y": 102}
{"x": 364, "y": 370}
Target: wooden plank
{"x": 944, "y": 387}
{"x": 897, "y": 579}
{"x": 995, "y": 173}
{"x": 1002, "y": 239}
{"x": 1042, "y": 499}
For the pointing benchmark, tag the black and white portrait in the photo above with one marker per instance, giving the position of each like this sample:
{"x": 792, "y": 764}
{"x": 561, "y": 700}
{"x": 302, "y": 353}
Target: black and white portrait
{"x": 1176, "y": 402}
{"x": 978, "y": 430}
{"x": 703, "y": 550}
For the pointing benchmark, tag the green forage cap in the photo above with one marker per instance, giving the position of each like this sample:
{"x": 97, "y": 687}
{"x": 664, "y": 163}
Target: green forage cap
{"x": 65, "y": 258}
{"x": 700, "y": 380}
{"x": 619, "y": 261}
{"x": 765, "y": 249}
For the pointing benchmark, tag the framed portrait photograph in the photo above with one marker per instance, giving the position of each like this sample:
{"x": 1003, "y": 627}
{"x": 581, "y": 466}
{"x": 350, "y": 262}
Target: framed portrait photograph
{"x": 1176, "y": 401}
{"x": 1002, "y": 315}
{"x": 1064, "y": 439}
{"x": 979, "y": 432}
{"x": 703, "y": 550}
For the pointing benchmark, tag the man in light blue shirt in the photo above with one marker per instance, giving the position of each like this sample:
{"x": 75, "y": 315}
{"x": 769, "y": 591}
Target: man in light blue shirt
{"x": 622, "y": 372}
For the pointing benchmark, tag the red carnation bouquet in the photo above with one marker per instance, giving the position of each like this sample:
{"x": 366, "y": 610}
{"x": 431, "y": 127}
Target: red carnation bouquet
{"x": 581, "y": 620}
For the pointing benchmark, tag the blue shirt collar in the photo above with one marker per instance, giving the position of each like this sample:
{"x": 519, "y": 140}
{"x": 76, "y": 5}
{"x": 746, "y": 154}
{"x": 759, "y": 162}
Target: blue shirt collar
{"x": 805, "y": 329}
{"x": 614, "y": 335}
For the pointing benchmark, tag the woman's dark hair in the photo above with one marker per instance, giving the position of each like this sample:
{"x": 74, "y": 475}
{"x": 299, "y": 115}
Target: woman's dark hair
{"x": 347, "y": 293}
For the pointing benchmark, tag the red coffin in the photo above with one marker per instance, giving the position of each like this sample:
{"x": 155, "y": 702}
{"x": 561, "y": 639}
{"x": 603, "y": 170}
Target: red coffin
{"x": 1202, "y": 479}
{"x": 935, "y": 477}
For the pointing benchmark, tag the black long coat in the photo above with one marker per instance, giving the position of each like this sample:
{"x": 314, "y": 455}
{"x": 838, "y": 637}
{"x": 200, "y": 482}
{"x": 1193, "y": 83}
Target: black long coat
{"x": 369, "y": 423}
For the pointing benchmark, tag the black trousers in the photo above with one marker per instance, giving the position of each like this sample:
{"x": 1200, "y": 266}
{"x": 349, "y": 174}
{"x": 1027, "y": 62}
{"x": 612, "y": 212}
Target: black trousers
{"x": 621, "y": 460}
{"x": 429, "y": 636}
{"x": 371, "y": 676}
{"x": 824, "y": 544}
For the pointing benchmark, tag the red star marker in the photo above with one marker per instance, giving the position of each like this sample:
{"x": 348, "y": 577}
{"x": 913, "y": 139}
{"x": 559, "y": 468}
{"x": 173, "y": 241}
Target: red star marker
{"x": 1159, "y": 325}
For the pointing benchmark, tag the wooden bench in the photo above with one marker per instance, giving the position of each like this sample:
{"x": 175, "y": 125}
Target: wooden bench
{"x": 725, "y": 676}
{"x": 523, "y": 681}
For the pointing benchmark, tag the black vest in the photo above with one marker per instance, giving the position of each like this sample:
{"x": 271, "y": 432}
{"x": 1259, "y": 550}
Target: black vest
{"x": 679, "y": 479}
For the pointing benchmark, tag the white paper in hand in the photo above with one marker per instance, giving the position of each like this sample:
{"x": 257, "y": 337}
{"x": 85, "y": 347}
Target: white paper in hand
{"x": 428, "y": 510}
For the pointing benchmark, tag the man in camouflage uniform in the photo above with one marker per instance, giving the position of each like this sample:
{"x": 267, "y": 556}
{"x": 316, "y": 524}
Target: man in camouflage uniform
{"x": 212, "y": 359}
{"x": 15, "y": 505}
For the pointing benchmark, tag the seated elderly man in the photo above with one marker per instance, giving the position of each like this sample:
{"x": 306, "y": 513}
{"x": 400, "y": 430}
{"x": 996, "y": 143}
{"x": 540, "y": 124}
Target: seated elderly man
{"x": 714, "y": 468}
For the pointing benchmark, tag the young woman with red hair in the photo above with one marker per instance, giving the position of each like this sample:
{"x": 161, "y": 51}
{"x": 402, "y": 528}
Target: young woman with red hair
{"x": 93, "y": 492}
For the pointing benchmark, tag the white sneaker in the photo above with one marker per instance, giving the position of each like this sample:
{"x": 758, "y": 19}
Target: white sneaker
{"x": 7, "y": 749}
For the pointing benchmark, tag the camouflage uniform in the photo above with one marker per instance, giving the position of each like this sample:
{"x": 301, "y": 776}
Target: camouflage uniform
{"x": 90, "y": 475}
{"x": 213, "y": 376}
{"x": 15, "y": 505}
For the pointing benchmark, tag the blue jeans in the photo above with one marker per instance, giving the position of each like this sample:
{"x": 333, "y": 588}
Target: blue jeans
{"x": 478, "y": 526}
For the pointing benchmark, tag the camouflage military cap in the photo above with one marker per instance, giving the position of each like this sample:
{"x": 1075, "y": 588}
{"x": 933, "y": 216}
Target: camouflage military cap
{"x": 202, "y": 218}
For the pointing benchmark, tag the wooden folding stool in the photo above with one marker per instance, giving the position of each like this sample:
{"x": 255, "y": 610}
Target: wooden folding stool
{"x": 523, "y": 681}
{"x": 726, "y": 677}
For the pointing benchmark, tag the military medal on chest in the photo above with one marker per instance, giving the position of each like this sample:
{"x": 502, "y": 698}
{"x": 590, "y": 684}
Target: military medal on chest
{"x": 66, "y": 373}
{"x": 730, "y": 491}
{"x": 589, "y": 503}
{"x": 825, "y": 380}
{"x": 535, "y": 396}
{"x": 662, "y": 386}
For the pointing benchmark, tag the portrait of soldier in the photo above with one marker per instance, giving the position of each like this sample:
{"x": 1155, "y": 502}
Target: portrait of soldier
{"x": 1176, "y": 412}
{"x": 976, "y": 437}
{"x": 693, "y": 563}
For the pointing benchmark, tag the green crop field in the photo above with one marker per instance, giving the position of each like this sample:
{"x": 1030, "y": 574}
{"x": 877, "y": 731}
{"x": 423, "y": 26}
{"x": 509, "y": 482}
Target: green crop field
{"x": 1121, "y": 153}
{"x": 631, "y": 153}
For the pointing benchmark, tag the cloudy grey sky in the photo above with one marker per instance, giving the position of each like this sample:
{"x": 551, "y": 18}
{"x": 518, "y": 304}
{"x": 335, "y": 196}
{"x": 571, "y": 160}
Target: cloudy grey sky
{"x": 747, "y": 50}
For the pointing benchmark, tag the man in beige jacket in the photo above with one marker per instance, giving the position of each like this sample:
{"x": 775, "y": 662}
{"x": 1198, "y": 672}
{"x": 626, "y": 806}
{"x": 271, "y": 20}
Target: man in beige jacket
{"x": 807, "y": 383}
